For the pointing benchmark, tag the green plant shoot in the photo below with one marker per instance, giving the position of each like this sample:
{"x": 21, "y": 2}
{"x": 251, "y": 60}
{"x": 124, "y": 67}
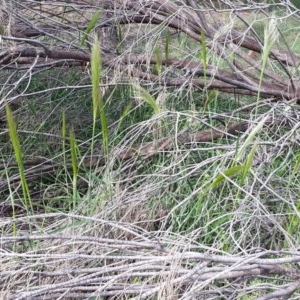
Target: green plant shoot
{"x": 90, "y": 27}
{"x": 12, "y": 128}
{"x": 143, "y": 94}
{"x": 270, "y": 37}
{"x": 98, "y": 103}
{"x": 231, "y": 172}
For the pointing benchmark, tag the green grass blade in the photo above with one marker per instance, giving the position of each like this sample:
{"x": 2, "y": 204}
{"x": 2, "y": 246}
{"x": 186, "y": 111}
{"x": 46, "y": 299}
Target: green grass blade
{"x": 248, "y": 163}
{"x": 296, "y": 167}
{"x": 12, "y": 128}
{"x": 231, "y": 172}
{"x": 167, "y": 47}
{"x": 211, "y": 96}
{"x": 73, "y": 147}
{"x": 95, "y": 73}
{"x": 143, "y": 94}
{"x": 98, "y": 103}
{"x": 203, "y": 53}
{"x": 270, "y": 37}
{"x": 64, "y": 135}
{"x": 250, "y": 138}
{"x": 123, "y": 116}
{"x": 90, "y": 27}
{"x": 120, "y": 36}
{"x": 12, "y": 201}
{"x": 158, "y": 63}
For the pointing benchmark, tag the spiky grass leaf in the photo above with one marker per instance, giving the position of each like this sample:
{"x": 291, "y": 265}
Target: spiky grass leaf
{"x": 143, "y": 94}
{"x": 13, "y": 134}
{"x": 95, "y": 73}
{"x": 98, "y": 103}
{"x": 270, "y": 37}
{"x": 90, "y": 27}
{"x": 250, "y": 138}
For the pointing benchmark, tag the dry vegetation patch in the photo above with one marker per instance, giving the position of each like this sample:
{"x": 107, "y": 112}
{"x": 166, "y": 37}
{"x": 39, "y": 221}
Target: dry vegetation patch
{"x": 196, "y": 195}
